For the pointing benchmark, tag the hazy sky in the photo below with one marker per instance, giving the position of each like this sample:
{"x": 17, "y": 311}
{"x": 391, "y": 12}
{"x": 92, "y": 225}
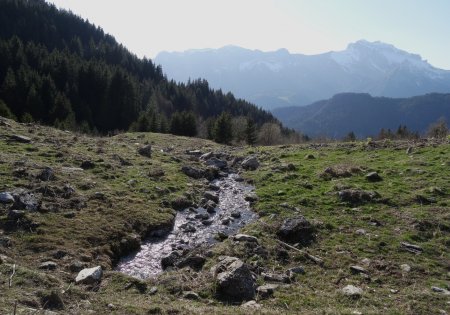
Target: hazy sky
{"x": 147, "y": 27}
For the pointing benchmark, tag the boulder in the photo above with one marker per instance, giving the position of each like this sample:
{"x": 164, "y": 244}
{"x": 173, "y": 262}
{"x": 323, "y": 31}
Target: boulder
{"x": 195, "y": 262}
{"x": 48, "y": 265}
{"x": 273, "y": 277}
{"x": 251, "y": 197}
{"x": 221, "y": 164}
{"x": 6, "y": 197}
{"x": 211, "y": 195}
{"x": 146, "y": 151}
{"x": 206, "y": 156}
{"x": 25, "y": 200}
{"x": 252, "y": 305}
{"x": 20, "y": 138}
{"x": 357, "y": 269}
{"x": 51, "y": 300}
{"x": 16, "y": 214}
{"x": 192, "y": 172}
{"x": 357, "y": 196}
{"x": 291, "y": 272}
{"x": 180, "y": 203}
{"x": 89, "y": 275}
{"x": 266, "y": 290}
{"x": 235, "y": 214}
{"x": 5, "y": 241}
{"x": 235, "y": 282}
{"x": 46, "y": 174}
{"x": 250, "y": 163}
{"x": 171, "y": 259}
{"x": 191, "y": 295}
{"x": 87, "y": 165}
{"x": 373, "y": 177}
{"x": 352, "y": 291}
{"x": 245, "y": 238}
{"x": 297, "y": 230}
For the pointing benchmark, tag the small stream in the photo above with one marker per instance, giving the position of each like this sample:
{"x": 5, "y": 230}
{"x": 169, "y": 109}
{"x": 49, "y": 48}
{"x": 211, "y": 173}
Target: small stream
{"x": 194, "y": 228}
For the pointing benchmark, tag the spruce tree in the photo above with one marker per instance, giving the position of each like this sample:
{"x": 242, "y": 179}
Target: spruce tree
{"x": 222, "y": 129}
{"x": 250, "y": 132}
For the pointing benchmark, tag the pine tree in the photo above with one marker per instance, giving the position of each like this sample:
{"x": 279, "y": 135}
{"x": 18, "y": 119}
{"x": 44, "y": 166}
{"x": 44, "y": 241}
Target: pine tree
{"x": 250, "y": 132}
{"x": 222, "y": 129}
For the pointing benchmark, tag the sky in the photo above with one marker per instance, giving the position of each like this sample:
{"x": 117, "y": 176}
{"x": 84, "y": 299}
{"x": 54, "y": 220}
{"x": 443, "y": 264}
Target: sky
{"x": 147, "y": 27}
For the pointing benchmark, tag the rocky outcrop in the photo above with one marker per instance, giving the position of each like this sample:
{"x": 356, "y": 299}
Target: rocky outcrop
{"x": 297, "y": 230}
{"x": 250, "y": 163}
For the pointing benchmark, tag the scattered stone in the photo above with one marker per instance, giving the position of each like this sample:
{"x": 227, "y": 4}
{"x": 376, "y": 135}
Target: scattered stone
{"x": 194, "y": 152}
{"x": 206, "y": 156}
{"x": 226, "y": 221}
{"x": 297, "y": 230}
{"x": 357, "y": 196}
{"x": 180, "y": 203}
{"x": 130, "y": 244}
{"x": 132, "y": 182}
{"x": 46, "y": 174}
{"x": 440, "y": 290}
{"x": 146, "y": 151}
{"x": 221, "y": 164}
{"x": 171, "y": 259}
{"x": 48, "y": 265}
{"x": 366, "y": 261}
{"x": 352, "y": 291}
{"x": 309, "y": 157}
{"x": 295, "y": 270}
{"x": 191, "y": 295}
{"x": 250, "y": 163}
{"x": 87, "y": 165}
{"x": 411, "y": 248}
{"x": 195, "y": 262}
{"x": 210, "y": 206}
{"x": 193, "y": 172}
{"x": 89, "y": 275}
{"x": 16, "y": 214}
{"x": 210, "y": 195}
{"x": 5, "y": 241}
{"x": 25, "y": 200}
{"x": 405, "y": 267}
{"x": 273, "y": 277}
{"x": 20, "y": 138}
{"x": 266, "y": 290}
{"x": 213, "y": 187}
{"x": 357, "y": 269}
{"x": 235, "y": 214}
{"x": 373, "y": 177}
{"x": 235, "y": 282}
{"x": 111, "y": 306}
{"x": 52, "y": 300}
{"x": 251, "y": 305}
{"x": 156, "y": 173}
{"x": 409, "y": 150}
{"x": 245, "y": 238}
{"x": 6, "y": 197}
{"x": 153, "y": 291}
{"x": 188, "y": 227}
{"x": 202, "y": 216}
{"x": 361, "y": 232}
{"x": 251, "y": 197}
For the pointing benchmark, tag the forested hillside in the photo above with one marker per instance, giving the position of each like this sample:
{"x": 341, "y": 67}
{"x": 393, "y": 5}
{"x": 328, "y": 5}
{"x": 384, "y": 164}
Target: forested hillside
{"x": 60, "y": 70}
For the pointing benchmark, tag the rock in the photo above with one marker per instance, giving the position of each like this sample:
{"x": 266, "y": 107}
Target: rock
{"x": 266, "y": 290}
{"x": 153, "y": 291}
{"x": 146, "y": 151}
{"x": 405, "y": 267}
{"x": 192, "y": 172}
{"x": 52, "y": 300}
{"x": 111, "y": 306}
{"x": 250, "y": 163}
{"x": 6, "y": 197}
{"x": 202, "y": 216}
{"x": 221, "y": 164}
{"x": 251, "y": 305}
{"x": 309, "y": 157}
{"x": 213, "y": 187}
{"x": 20, "y": 138}
{"x": 409, "y": 150}
{"x": 76, "y": 266}
{"x": 195, "y": 262}
{"x": 235, "y": 282}
{"x": 361, "y": 232}
{"x": 188, "y": 228}
{"x": 226, "y": 221}
{"x": 373, "y": 177}
{"x": 210, "y": 206}
{"x": 251, "y": 197}
{"x": 358, "y": 269}
{"x": 245, "y": 238}
{"x": 210, "y": 195}
{"x": 273, "y": 277}
{"x": 440, "y": 290}
{"x": 357, "y": 196}
{"x": 87, "y": 165}
{"x": 130, "y": 244}
{"x": 180, "y": 203}
{"x": 411, "y": 248}
{"x": 235, "y": 214}
{"x": 297, "y": 230}
{"x": 46, "y": 174}
{"x": 25, "y": 200}
{"x": 16, "y": 214}
{"x": 191, "y": 295}
{"x": 206, "y": 156}
{"x": 48, "y": 265}
{"x": 89, "y": 275}
{"x": 171, "y": 259}
{"x": 352, "y": 291}
{"x": 194, "y": 152}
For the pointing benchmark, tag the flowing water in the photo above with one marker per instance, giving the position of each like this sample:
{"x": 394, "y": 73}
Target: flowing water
{"x": 194, "y": 228}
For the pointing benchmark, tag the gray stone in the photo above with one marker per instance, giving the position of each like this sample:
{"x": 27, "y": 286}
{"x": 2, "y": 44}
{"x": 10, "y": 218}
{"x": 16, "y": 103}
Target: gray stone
{"x": 266, "y": 290}
{"x": 89, "y": 275}
{"x": 273, "y": 277}
{"x": 5, "y": 241}
{"x": 405, "y": 267}
{"x": 357, "y": 269}
{"x": 211, "y": 195}
{"x": 295, "y": 270}
{"x": 76, "y": 266}
{"x": 251, "y": 305}
{"x": 46, "y": 174}
{"x": 251, "y": 197}
{"x": 221, "y": 164}
{"x": 25, "y": 200}
{"x": 87, "y": 165}
{"x": 206, "y": 156}
{"x": 411, "y": 248}
{"x": 191, "y": 295}
{"x": 235, "y": 214}
{"x": 193, "y": 172}
{"x": 171, "y": 259}
{"x": 245, "y": 238}
{"x": 373, "y": 177}
{"x": 6, "y": 197}
{"x": 153, "y": 291}
{"x": 357, "y": 196}
{"x": 180, "y": 203}
{"x": 195, "y": 262}
{"x": 250, "y": 163}
{"x": 48, "y": 265}
{"x": 20, "y": 138}
{"x": 16, "y": 214}
{"x": 440, "y": 290}
{"x": 297, "y": 230}
{"x": 352, "y": 291}
{"x": 235, "y": 281}
{"x": 146, "y": 151}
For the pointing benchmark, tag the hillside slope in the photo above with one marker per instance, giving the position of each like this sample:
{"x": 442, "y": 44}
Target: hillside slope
{"x": 280, "y": 79}
{"x": 86, "y": 201}
{"x": 365, "y": 115}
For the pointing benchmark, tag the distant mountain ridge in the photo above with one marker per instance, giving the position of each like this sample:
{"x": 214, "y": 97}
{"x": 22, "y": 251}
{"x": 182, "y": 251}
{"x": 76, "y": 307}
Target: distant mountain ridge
{"x": 365, "y": 115}
{"x": 279, "y": 78}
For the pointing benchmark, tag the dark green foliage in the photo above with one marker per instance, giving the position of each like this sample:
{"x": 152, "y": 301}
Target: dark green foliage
{"x": 5, "y": 111}
{"x": 438, "y": 129}
{"x": 350, "y": 137}
{"x": 64, "y": 71}
{"x": 222, "y": 129}
{"x": 250, "y": 132}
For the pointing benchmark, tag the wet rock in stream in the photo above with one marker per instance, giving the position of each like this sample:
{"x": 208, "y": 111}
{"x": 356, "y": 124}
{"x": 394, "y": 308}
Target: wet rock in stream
{"x": 193, "y": 229}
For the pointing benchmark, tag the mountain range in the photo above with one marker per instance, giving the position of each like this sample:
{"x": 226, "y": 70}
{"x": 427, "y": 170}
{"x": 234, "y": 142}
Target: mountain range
{"x": 279, "y": 78}
{"x": 365, "y": 115}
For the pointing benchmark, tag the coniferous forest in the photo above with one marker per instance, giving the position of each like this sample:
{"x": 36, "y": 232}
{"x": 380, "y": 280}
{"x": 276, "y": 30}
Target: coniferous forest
{"x": 60, "y": 70}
